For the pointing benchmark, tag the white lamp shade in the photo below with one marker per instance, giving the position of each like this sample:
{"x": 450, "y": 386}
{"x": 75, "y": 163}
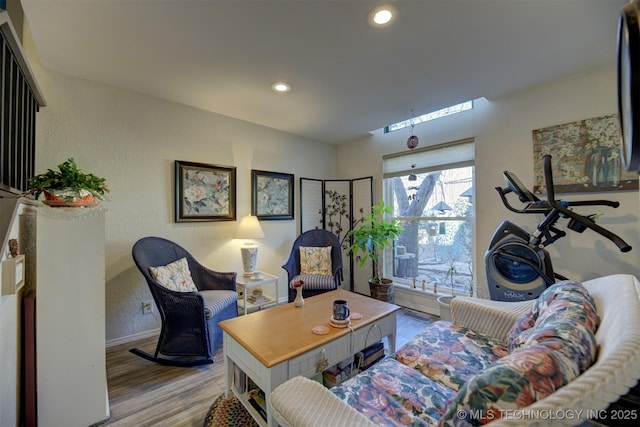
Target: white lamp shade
{"x": 249, "y": 228}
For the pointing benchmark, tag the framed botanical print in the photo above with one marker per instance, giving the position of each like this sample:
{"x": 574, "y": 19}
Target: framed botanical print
{"x": 204, "y": 192}
{"x": 272, "y": 195}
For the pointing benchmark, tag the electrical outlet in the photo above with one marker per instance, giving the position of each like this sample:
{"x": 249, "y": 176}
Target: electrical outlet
{"x": 147, "y": 307}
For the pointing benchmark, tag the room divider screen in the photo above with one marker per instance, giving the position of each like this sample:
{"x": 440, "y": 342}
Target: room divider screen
{"x": 337, "y": 205}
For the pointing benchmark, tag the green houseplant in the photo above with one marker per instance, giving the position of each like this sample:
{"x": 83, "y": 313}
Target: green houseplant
{"x": 370, "y": 239}
{"x": 68, "y": 186}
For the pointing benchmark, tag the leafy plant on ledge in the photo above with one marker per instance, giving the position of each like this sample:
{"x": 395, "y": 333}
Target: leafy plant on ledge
{"x": 68, "y": 185}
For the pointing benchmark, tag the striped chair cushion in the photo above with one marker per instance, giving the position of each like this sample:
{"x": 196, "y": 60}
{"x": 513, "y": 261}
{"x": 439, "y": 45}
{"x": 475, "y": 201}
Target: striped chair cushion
{"x": 216, "y": 301}
{"x": 314, "y": 281}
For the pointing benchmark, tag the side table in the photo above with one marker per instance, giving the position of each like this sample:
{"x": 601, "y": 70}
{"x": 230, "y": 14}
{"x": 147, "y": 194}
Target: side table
{"x": 245, "y": 284}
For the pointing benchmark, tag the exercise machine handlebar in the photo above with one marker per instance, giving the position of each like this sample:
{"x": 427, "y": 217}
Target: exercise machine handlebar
{"x": 553, "y": 209}
{"x": 586, "y": 221}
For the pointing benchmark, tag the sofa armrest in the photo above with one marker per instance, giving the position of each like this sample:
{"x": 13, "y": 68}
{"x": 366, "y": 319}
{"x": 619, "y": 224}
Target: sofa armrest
{"x": 491, "y": 318}
{"x": 301, "y": 402}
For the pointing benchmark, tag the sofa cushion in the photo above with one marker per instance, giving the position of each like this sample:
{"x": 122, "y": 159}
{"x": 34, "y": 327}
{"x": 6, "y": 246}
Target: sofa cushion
{"x": 314, "y": 281}
{"x": 392, "y": 394}
{"x": 449, "y": 354}
{"x": 315, "y": 260}
{"x": 513, "y": 382}
{"x": 215, "y": 301}
{"x": 175, "y": 276}
{"x": 552, "y": 345}
{"x": 566, "y": 311}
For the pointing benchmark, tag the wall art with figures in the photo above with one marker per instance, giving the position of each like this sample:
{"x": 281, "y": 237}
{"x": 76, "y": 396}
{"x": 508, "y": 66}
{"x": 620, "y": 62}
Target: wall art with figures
{"x": 585, "y": 156}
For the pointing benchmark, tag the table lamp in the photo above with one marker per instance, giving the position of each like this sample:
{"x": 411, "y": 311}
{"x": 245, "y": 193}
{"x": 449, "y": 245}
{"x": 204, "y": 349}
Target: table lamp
{"x": 249, "y": 229}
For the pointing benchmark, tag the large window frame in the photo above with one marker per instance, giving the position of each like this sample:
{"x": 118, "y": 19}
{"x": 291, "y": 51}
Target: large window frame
{"x": 450, "y": 167}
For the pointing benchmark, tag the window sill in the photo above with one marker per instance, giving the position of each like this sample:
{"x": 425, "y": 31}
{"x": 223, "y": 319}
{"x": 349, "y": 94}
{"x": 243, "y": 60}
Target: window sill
{"x": 417, "y": 299}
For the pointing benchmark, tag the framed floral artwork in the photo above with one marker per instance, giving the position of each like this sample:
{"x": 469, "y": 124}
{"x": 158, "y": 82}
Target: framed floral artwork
{"x": 204, "y": 192}
{"x": 272, "y": 195}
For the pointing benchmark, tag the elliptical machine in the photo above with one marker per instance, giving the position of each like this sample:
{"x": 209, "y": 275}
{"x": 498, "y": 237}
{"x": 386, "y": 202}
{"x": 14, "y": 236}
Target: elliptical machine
{"x": 518, "y": 267}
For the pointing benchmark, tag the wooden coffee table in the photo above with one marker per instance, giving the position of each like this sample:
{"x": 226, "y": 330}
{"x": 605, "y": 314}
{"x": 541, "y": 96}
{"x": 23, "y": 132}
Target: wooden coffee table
{"x": 269, "y": 347}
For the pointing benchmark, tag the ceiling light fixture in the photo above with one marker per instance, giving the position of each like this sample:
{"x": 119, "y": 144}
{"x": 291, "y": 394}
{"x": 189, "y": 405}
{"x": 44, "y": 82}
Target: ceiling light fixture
{"x": 382, "y": 16}
{"x": 280, "y": 87}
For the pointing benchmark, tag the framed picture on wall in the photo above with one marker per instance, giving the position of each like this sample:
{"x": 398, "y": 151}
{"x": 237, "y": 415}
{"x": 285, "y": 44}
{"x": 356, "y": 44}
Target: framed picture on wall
{"x": 271, "y": 195}
{"x": 585, "y": 156}
{"x": 204, "y": 192}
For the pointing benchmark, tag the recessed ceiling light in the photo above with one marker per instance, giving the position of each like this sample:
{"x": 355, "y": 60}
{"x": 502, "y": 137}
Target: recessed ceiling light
{"x": 382, "y": 15}
{"x": 280, "y": 87}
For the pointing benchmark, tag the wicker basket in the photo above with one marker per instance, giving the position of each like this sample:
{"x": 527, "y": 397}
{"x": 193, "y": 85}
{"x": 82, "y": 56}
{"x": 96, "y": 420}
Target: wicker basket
{"x": 382, "y": 290}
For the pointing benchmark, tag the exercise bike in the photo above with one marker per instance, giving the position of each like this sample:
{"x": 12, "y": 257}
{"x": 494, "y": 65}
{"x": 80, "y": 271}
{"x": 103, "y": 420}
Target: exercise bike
{"x": 518, "y": 266}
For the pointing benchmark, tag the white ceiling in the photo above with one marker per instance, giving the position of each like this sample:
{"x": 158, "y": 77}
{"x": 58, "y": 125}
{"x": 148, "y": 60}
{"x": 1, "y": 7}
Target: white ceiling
{"x": 348, "y": 78}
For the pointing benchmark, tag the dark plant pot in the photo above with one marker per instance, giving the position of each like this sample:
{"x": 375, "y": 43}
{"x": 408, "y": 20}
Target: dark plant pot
{"x": 381, "y": 290}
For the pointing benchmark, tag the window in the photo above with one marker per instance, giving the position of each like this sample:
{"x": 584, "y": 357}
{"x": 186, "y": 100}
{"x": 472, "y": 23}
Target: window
{"x": 433, "y": 199}
{"x": 454, "y": 109}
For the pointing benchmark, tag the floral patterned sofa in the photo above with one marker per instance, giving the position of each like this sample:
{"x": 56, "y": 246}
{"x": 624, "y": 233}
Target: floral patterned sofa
{"x": 556, "y": 360}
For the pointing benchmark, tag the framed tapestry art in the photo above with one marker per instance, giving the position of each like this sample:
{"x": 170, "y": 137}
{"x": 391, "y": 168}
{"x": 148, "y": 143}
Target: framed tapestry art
{"x": 585, "y": 156}
{"x": 204, "y": 192}
{"x": 272, "y": 195}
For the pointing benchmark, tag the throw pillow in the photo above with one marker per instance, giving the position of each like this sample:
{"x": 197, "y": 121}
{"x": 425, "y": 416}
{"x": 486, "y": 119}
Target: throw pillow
{"x": 175, "y": 276}
{"x": 565, "y": 303}
{"x": 315, "y": 260}
{"x": 514, "y": 381}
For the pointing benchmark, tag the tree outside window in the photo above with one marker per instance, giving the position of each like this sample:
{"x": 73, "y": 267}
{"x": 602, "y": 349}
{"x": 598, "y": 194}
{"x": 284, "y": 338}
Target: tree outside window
{"x": 436, "y": 209}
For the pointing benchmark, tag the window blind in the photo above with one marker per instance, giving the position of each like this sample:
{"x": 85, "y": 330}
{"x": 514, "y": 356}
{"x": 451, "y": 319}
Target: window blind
{"x": 448, "y": 155}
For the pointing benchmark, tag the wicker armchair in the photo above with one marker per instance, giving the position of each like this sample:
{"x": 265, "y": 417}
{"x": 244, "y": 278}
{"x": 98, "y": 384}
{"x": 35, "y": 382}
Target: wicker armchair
{"x": 189, "y": 332}
{"x": 314, "y": 238}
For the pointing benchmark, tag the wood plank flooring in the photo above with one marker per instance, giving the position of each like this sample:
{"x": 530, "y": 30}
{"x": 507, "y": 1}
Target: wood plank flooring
{"x": 142, "y": 393}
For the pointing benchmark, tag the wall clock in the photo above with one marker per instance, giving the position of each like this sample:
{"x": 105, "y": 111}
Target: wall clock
{"x": 629, "y": 85}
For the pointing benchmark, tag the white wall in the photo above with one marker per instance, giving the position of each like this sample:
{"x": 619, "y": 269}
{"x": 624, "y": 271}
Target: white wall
{"x": 502, "y": 130}
{"x": 132, "y": 140}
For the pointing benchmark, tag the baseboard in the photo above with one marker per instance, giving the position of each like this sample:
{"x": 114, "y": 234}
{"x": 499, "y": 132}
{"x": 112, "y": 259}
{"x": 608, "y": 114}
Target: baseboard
{"x": 131, "y": 338}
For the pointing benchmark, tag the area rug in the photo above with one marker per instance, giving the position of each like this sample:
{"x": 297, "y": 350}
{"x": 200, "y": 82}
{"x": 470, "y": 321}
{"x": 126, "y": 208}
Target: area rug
{"x": 228, "y": 412}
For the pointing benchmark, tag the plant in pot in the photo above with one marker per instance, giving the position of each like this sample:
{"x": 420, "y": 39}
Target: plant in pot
{"x": 68, "y": 186}
{"x": 370, "y": 239}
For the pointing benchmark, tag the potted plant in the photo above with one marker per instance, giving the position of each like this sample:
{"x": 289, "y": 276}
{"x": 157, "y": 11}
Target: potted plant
{"x": 370, "y": 239}
{"x": 68, "y": 186}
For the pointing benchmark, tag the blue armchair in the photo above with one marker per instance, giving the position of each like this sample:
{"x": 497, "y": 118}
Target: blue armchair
{"x": 314, "y": 284}
{"x": 189, "y": 332}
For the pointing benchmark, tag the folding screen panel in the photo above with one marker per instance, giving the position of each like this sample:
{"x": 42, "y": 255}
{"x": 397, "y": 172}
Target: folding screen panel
{"x": 311, "y": 202}
{"x": 361, "y": 203}
{"x": 336, "y": 205}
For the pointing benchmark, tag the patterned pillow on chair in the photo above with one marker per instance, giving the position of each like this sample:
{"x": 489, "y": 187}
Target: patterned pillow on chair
{"x": 175, "y": 276}
{"x": 315, "y": 260}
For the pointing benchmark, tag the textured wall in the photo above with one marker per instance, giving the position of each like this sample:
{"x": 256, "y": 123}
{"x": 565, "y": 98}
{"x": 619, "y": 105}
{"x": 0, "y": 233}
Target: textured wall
{"x": 132, "y": 141}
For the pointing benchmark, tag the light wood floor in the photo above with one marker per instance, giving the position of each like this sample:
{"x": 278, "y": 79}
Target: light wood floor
{"x": 142, "y": 393}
